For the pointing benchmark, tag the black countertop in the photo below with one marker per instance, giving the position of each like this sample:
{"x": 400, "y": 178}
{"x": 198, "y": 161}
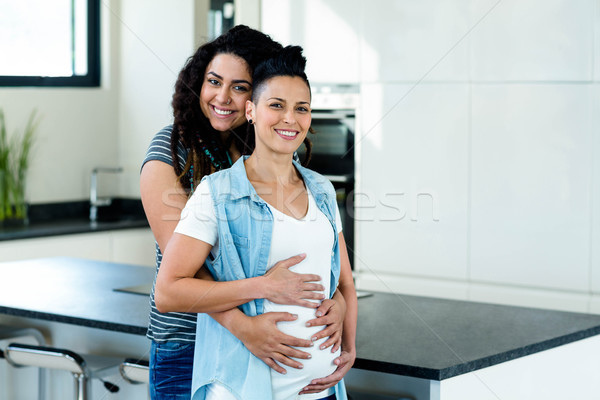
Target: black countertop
{"x": 406, "y": 335}
{"x": 73, "y": 217}
{"x": 438, "y": 339}
{"x": 76, "y": 291}
{"x": 68, "y": 226}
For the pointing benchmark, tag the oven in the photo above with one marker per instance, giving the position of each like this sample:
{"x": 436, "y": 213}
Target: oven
{"x": 334, "y": 122}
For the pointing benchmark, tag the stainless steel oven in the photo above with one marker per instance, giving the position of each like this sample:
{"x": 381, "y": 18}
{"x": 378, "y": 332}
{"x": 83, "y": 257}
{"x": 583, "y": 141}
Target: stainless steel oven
{"x": 334, "y": 122}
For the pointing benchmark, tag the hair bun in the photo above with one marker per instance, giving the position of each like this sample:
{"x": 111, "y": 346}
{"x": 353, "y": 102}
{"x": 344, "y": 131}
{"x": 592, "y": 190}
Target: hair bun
{"x": 293, "y": 55}
{"x": 288, "y": 61}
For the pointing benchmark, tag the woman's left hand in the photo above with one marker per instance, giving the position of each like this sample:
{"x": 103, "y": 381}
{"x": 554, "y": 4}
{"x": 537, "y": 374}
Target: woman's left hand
{"x": 330, "y": 313}
{"x": 344, "y": 362}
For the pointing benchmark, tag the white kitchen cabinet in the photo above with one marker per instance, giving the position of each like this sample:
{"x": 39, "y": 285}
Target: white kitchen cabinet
{"x": 95, "y": 246}
{"x": 595, "y": 304}
{"x": 530, "y": 185}
{"x": 394, "y": 282}
{"x": 478, "y": 142}
{"x": 130, "y": 246}
{"x": 534, "y": 40}
{"x": 326, "y": 29}
{"x": 512, "y": 295}
{"x": 133, "y": 246}
{"x": 404, "y": 40}
{"x": 411, "y": 192}
{"x": 595, "y": 232}
{"x": 596, "y": 61}
{"x": 564, "y": 372}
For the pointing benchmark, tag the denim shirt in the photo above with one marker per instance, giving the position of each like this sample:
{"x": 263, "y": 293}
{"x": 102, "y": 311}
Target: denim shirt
{"x": 245, "y": 226}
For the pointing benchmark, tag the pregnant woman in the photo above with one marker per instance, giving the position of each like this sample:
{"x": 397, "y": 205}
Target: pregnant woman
{"x": 242, "y": 220}
{"x": 207, "y": 135}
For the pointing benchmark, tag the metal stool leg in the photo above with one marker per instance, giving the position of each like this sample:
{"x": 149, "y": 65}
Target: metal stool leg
{"x": 81, "y": 387}
{"x": 82, "y": 369}
{"x": 14, "y": 333}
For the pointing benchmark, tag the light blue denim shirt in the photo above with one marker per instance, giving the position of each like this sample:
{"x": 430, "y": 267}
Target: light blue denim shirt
{"x": 245, "y": 225}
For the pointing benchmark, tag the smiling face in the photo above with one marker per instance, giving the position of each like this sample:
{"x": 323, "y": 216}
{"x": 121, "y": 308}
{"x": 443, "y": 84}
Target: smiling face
{"x": 281, "y": 114}
{"x": 226, "y": 87}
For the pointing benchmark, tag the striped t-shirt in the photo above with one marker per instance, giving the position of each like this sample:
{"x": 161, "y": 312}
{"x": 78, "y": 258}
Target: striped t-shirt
{"x": 172, "y": 325}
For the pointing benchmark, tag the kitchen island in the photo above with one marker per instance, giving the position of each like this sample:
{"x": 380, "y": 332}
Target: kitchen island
{"x": 417, "y": 347}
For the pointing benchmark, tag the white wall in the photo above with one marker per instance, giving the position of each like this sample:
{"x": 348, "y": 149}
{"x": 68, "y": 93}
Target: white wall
{"x": 78, "y": 129}
{"x": 144, "y": 45}
{"x": 478, "y": 146}
{"x": 156, "y": 39}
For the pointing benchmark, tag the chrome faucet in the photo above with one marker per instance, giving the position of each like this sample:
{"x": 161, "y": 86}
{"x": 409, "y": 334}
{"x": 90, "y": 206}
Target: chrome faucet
{"x": 95, "y": 202}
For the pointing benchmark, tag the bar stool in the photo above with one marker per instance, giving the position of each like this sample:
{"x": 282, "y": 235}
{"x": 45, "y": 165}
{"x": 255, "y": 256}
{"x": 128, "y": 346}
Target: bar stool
{"x": 135, "y": 371}
{"x": 12, "y": 333}
{"x": 83, "y": 368}
{"x": 20, "y": 333}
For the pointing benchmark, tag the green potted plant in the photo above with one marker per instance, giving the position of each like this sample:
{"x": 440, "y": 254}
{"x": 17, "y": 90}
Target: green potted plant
{"x": 14, "y": 161}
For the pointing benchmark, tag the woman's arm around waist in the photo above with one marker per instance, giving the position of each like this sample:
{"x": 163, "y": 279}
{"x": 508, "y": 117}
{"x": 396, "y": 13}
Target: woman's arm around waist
{"x": 163, "y": 199}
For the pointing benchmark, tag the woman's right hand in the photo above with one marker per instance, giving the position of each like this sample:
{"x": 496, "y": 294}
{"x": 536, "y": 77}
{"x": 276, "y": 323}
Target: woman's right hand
{"x": 286, "y": 287}
{"x": 261, "y": 336}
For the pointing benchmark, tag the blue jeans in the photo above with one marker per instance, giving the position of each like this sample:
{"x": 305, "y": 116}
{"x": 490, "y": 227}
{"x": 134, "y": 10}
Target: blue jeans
{"x": 171, "y": 370}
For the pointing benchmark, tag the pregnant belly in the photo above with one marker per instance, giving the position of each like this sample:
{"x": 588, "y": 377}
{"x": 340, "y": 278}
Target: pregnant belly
{"x": 320, "y": 365}
{"x": 287, "y": 386}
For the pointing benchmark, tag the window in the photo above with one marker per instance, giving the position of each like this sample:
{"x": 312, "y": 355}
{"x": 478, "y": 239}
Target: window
{"x": 50, "y": 43}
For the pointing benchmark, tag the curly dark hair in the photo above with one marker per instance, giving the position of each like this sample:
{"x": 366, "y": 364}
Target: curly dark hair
{"x": 190, "y": 125}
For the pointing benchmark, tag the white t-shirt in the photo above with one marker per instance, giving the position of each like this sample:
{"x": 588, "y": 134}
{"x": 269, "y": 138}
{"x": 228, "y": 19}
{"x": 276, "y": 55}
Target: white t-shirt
{"x": 312, "y": 235}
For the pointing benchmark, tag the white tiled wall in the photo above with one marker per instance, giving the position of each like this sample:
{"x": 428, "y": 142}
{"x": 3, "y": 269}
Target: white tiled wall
{"x": 332, "y": 24}
{"x": 412, "y": 200}
{"x": 595, "y": 187}
{"x": 530, "y": 188}
{"x": 490, "y": 111}
{"x": 532, "y": 40}
{"x": 596, "y": 51}
{"x": 156, "y": 38}
{"x": 413, "y": 40}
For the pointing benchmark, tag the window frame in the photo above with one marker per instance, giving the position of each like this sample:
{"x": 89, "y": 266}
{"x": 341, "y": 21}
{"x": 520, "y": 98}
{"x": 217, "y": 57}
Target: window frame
{"x": 91, "y": 79}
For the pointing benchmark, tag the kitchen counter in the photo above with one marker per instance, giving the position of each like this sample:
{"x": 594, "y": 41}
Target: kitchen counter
{"x": 439, "y": 339}
{"x": 409, "y": 336}
{"x": 67, "y": 227}
{"x": 76, "y": 291}
{"x": 72, "y": 218}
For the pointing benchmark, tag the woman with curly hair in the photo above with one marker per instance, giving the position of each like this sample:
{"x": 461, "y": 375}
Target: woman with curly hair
{"x": 243, "y": 219}
{"x": 209, "y": 133}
